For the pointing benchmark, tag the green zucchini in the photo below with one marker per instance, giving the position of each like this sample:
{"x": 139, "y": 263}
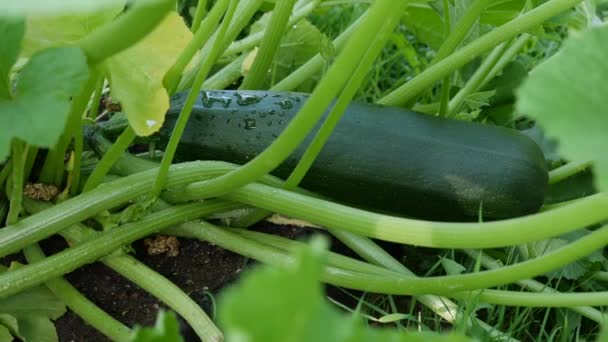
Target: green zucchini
{"x": 380, "y": 158}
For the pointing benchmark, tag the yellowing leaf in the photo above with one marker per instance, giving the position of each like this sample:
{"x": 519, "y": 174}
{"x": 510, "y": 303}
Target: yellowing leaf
{"x": 248, "y": 62}
{"x": 136, "y": 74}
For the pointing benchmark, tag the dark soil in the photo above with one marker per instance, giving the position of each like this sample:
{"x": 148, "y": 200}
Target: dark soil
{"x": 199, "y": 269}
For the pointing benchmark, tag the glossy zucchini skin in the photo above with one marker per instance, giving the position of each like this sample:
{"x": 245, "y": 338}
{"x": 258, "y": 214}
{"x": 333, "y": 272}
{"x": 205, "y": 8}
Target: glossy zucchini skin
{"x": 379, "y": 158}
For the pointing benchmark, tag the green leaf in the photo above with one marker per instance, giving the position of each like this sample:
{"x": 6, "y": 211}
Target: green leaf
{"x": 408, "y": 51}
{"x": 37, "y": 328}
{"x": 567, "y": 95}
{"x": 426, "y": 24}
{"x": 275, "y": 290}
{"x": 300, "y": 42}
{"x": 245, "y": 308}
{"x": 40, "y": 108}
{"x": 394, "y": 317}
{"x": 573, "y": 270}
{"x": 51, "y": 30}
{"x": 298, "y": 45}
{"x": 37, "y": 301}
{"x": 21, "y": 7}
{"x": 58, "y": 72}
{"x": 577, "y": 186}
{"x": 28, "y": 314}
{"x": 11, "y": 325}
{"x": 500, "y": 12}
{"x": 570, "y": 321}
{"x": 480, "y": 99}
{"x": 11, "y": 31}
{"x": 512, "y": 76}
{"x": 548, "y": 145}
{"x": 458, "y": 10}
{"x": 451, "y": 267}
{"x": 166, "y": 329}
{"x": 467, "y": 116}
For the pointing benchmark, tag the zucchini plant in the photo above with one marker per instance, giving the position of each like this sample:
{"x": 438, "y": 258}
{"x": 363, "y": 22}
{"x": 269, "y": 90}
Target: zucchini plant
{"x": 398, "y": 121}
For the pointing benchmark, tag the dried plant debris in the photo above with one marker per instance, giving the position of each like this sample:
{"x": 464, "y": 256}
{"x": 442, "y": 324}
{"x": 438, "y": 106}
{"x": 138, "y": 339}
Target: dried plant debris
{"x": 40, "y": 191}
{"x": 162, "y": 244}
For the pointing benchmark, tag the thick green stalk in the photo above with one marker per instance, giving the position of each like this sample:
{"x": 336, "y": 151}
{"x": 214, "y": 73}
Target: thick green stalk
{"x": 601, "y": 276}
{"x": 515, "y": 231}
{"x": 254, "y": 39}
{"x": 19, "y": 156}
{"x": 113, "y": 154}
{"x": 226, "y": 76}
{"x": 568, "y": 170}
{"x": 338, "y": 110}
{"x": 245, "y": 11}
{"x": 52, "y": 170}
{"x": 4, "y": 206}
{"x": 79, "y": 304}
{"x": 547, "y": 207}
{"x": 96, "y": 99}
{"x": 404, "y": 285}
{"x": 582, "y": 213}
{"x": 6, "y": 171}
{"x": 39, "y": 226}
{"x": 299, "y": 127}
{"x": 125, "y": 30}
{"x": 237, "y": 243}
{"x": 182, "y": 120}
{"x": 444, "y": 102}
{"x": 462, "y": 28}
{"x": 447, "y": 285}
{"x": 368, "y": 250}
{"x": 428, "y": 108}
{"x": 534, "y": 285}
{"x": 256, "y": 76}
{"x": 518, "y": 298}
{"x": 127, "y": 164}
{"x": 474, "y": 83}
{"x": 447, "y": 81}
{"x": 427, "y": 78}
{"x": 201, "y": 10}
{"x": 32, "y": 153}
{"x": 76, "y": 127}
{"x": 107, "y": 242}
{"x": 171, "y": 78}
{"x": 507, "y": 57}
{"x": 316, "y": 63}
{"x": 290, "y": 246}
{"x": 169, "y": 293}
